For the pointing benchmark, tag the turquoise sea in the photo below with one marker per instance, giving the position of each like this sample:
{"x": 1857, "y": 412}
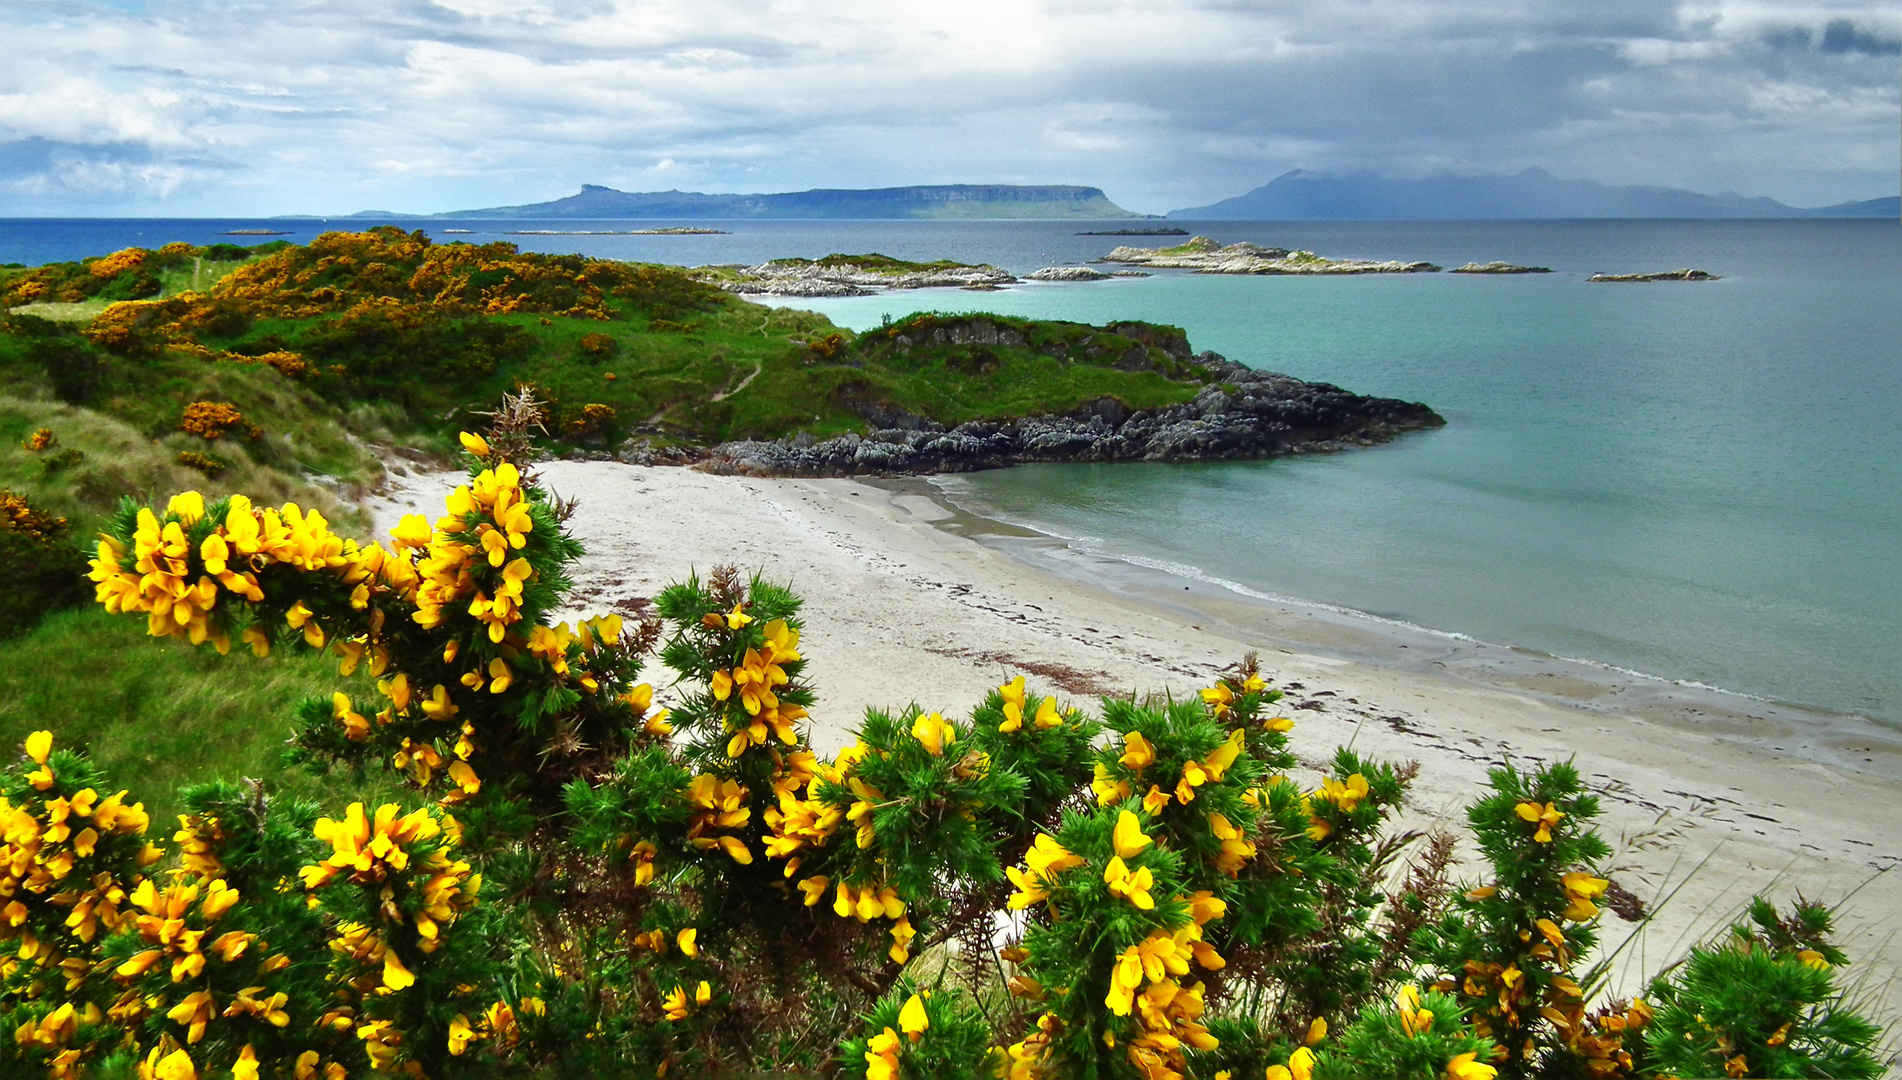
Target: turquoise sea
{"x": 1697, "y": 481}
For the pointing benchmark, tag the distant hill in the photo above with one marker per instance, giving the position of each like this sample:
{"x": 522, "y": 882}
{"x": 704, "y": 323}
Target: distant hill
{"x": 937, "y": 201}
{"x": 1306, "y": 196}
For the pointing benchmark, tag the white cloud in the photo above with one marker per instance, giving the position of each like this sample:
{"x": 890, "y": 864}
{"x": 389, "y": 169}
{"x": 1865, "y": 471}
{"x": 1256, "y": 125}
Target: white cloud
{"x": 232, "y": 106}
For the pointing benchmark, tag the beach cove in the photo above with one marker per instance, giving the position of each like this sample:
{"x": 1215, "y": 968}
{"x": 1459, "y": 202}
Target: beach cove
{"x": 908, "y": 600}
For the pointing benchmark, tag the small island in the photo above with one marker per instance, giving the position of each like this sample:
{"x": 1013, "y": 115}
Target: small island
{"x": 1069, "y": 273}
{"x": 1206, "y": 256}
{"x": 850, "y": 275}
{"x": 1668, "y": 275}
{"x": 1498, "y": 268}
{"x": 1135, "y": 232}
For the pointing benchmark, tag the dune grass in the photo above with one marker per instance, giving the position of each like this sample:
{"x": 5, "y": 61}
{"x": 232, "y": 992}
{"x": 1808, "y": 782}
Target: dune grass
{"x": 99, "y": 458}
{"x": 159, "y": 714}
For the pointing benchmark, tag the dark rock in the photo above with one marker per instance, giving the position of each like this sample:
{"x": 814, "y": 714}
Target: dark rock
{"x": 1668, "y": 275}
{"x": 1499, "y": 268}
{"x": 1251, "y": 414}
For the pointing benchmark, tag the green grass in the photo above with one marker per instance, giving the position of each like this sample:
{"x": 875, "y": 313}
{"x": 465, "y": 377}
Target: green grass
{"x": 948, "y": 391}
{"x": 669, "y": 379}
{"x": 157, "y": 714}
{"x": 119, "y": 459}
{"x": 688, "y": 364}
{"x": 80, "y": 311}
{"x": 199, "y": 276}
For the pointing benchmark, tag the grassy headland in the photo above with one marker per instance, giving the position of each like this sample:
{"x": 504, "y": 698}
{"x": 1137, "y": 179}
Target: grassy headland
{"x": 308, "y": 360}
{"x": 385, "y": 335}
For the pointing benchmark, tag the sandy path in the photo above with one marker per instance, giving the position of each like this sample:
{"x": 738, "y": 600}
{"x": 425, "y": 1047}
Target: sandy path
{"x": 900, "y": 609}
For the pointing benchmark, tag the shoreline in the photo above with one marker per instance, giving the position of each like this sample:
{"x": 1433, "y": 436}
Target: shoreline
{"x": 910, "y": 599}
{"x": 1842, "y": 740}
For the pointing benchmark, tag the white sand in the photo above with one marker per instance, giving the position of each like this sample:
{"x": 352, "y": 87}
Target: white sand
{"x": 898, "y": 608}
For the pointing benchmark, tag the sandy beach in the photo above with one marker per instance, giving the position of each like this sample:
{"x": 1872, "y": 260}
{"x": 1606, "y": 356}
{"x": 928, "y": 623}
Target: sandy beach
{"x": 907, "y": 599}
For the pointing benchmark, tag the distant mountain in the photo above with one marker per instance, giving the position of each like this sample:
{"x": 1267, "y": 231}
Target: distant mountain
{"x": 1305, "y": 196}
{"x": 939, "y": 201}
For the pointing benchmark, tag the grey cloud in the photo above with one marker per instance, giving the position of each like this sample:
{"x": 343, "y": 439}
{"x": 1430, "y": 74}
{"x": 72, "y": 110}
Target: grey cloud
{"x": 1789, "y": 37}
{"x": 406, "y": 104}
{"x": 27, "y": 158}
{"x": 1844, "y": 36}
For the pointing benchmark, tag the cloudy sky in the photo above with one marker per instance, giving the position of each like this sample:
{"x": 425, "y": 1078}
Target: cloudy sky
{"x": 229, "y": 107}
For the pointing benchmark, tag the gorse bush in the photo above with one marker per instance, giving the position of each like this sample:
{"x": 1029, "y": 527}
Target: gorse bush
{"x": 40, "y": 569}
{"x": 582, "y": 881}
{"x": 372, "y": 313}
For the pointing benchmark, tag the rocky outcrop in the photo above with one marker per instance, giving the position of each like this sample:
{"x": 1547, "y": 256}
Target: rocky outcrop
{"x": 1206, "y": 256}
{"x": 1241, "y": 413}
{"x": 1498, "y": 268}
{"x": 794, "y": 286}
{"x": 1069, "y": 273}
{"x": 796, "y": 277}
{"x": 1668, "y": 275}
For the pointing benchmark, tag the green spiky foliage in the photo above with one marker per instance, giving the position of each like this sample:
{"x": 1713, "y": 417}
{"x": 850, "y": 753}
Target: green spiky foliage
{"x": 1762, "y": 1001}
{"x": 1417, "y": 1037}
{"x": 1511, "y": 947}
{"x": 1047, "y": 744}
{"x": 1332, "y": 966}
{"x": 918, "y": 794}
{"x": 921, "y": 1034}
{"x": 1098, "y": 894}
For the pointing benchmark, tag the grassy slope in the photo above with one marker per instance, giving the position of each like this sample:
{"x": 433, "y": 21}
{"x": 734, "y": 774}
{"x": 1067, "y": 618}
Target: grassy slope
{"x": 158, "y": 714}
{"x": 669, "y": 379}
{"x": 674, "y": 375}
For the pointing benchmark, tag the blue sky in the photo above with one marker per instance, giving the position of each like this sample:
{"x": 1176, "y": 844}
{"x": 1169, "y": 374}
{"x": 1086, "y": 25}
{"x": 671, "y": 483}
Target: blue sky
{"x": 223, "y": 107}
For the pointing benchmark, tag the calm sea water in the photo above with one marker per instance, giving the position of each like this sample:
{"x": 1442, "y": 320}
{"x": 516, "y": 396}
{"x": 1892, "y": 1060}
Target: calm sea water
{"x": 1697, "y": 481}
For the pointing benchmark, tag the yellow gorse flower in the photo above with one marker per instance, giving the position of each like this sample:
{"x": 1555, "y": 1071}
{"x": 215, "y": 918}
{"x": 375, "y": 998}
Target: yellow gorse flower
{"x": 1048, "y": 715}
{"x": 881, "y": 1056}
{"x": 1413, "y": 1019}
{"x": 933, "y": 733}
{"x": 1137, "y": 753}
{"x": 1237, "y": 849}
{"x": 1045, "y": 859}
{"x": 1109, "y": 789}
{"x": 1466, "y": 1066}
{"x": 1580, "y": 890}
{"x": 1013, "y": 695}
{"x": 1345, "y": 794}
{"x": 1541, "y": 817}
{"x": 1131, "y": 885}
{"x": 719, "y": 804}
{"x": 1128, "y": 839}
{"x": 912, "y": 1019}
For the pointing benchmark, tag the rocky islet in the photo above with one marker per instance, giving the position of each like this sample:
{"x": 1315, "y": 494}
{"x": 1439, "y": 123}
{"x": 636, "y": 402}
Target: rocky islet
{"x": 1239, "y": 412}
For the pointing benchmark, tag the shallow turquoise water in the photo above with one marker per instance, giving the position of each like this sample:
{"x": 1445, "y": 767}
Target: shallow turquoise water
{"x": 1697, "y": 481}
